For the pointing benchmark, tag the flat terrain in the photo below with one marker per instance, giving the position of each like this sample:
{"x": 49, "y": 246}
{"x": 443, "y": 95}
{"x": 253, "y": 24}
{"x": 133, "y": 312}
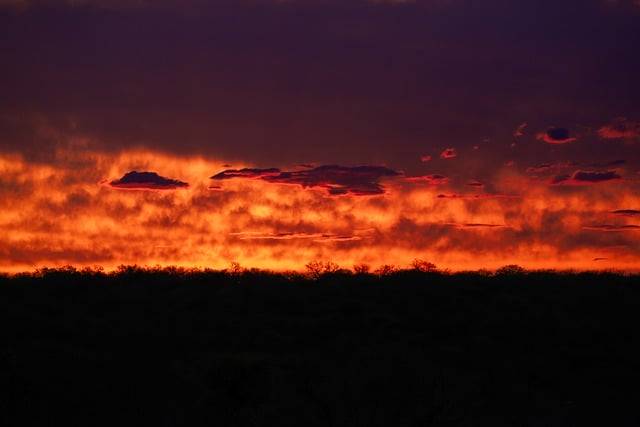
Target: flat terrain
{"x": 172, "y": 348}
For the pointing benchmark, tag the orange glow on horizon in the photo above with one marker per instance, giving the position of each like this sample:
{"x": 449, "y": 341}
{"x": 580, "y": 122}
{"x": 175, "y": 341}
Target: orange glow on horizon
{"x": 55, "y": 215}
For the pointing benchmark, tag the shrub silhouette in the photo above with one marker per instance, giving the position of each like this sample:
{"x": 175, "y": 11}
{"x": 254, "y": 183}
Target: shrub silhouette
{"x": 386, "y": 270}
{"x": 423, "y": 266}
{"x": 361, "y": 269}
{"x": 510, "y": 270}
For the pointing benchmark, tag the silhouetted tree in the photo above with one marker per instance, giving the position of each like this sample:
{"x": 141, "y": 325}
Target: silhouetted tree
{"x": 331, "y": 267}
{"x": 315, "y": 269}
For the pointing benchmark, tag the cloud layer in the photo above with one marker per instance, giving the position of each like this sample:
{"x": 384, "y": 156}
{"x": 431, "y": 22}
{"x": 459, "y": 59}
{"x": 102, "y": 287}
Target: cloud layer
{"x": 65, "y": 216}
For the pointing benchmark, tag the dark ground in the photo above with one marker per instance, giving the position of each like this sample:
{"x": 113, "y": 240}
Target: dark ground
{"x": 408, "y": 349}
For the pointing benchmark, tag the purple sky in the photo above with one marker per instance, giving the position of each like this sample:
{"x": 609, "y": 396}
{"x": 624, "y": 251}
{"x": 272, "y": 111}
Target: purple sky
{"x": 457, "y": 89}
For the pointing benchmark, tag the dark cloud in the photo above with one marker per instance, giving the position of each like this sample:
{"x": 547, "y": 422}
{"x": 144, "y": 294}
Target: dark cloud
{"x": 146, "y": 181}
{"x": 248, "y": 235}
{"x": 620, "y": 128}
{"x": 477, "y": 196}
{"x": 337, "y": 180}
{"x": 618, "y": 162}
{"x": 559, "y": 179}
{"x": 626, "y": 212}
{"x": 544, "y": 168}
{"x": 475, "y": 183}
{"x": 314, "y": 237}
{"x": 561, "y": 175}
{"x": 591, "y": 176}
{"x": 481, "y": 225}
{"x": 246, "y": 173}
{"x": 611, "y": 228}
{"x": 581, "y": 177}
{"x": 556, "y": 135}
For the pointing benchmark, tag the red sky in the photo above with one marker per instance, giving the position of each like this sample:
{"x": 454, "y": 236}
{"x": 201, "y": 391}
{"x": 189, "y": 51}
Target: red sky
{"x": 276, "y": 133}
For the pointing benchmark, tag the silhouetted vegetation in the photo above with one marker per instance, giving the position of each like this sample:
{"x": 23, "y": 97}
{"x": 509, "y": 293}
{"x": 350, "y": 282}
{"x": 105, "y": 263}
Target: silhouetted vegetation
{"x": 331, "y": 347}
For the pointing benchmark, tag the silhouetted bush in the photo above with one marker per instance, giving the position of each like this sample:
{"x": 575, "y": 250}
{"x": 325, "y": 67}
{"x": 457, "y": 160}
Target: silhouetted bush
{"x": 361, "y": 269}
{"x": 510, "y": 270}
{"x": 423, "y": 266}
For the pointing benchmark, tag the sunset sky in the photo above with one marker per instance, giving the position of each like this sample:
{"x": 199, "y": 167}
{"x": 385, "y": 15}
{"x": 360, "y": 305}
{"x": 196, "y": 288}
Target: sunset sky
{"x": 471, "y": 134}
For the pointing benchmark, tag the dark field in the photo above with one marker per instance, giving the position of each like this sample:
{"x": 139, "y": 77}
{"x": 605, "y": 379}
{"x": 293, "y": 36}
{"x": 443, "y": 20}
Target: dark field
{"x": 173, "y": 348}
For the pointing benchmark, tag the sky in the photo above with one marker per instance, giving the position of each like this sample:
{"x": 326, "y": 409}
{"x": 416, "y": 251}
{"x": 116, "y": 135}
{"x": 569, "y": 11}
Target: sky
{"x": 272, "y": 133}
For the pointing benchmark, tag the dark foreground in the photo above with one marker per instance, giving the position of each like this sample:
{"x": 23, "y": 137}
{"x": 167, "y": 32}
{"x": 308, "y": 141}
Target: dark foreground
{"x": 407, "y": 349}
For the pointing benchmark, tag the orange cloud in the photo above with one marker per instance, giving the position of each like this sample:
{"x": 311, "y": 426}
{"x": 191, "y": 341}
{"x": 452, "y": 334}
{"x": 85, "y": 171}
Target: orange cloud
{"x": 54, "y": 214}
